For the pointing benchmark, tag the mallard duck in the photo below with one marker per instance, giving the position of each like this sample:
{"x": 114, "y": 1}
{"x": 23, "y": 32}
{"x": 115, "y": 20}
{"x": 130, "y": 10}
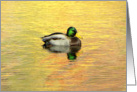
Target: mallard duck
{"x": 61, "y": 39}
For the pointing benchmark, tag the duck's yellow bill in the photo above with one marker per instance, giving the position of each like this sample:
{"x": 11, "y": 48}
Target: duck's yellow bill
{"x": 79, "y": 36}
{"x": 79, "y": 53}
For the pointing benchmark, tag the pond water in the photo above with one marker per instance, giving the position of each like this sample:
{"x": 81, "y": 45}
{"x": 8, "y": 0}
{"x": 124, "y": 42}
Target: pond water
{"x": 100, "y": 63}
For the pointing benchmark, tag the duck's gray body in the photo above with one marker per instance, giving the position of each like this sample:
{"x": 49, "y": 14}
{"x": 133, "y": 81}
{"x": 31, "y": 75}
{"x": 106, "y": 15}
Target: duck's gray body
{"x": 60, "y": 39}
{"x": 57, "y": 39}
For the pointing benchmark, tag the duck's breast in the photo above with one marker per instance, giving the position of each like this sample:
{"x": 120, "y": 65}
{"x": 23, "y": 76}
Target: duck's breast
{"x": 75, "y": 41}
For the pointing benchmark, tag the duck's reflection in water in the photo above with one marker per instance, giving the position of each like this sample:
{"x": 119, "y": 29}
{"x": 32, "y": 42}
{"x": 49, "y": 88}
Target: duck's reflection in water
{"x": 71, "y": 51}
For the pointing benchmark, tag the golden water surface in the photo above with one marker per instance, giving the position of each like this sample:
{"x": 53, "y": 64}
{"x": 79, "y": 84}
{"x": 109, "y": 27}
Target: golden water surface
{"x": 100, "y": 64}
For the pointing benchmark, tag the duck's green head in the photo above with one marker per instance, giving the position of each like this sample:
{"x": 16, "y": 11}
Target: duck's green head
{"x": 71, "y": 32}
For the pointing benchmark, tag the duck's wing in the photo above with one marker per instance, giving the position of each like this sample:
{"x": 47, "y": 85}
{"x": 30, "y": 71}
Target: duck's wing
{"x": 54, "y": 36}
